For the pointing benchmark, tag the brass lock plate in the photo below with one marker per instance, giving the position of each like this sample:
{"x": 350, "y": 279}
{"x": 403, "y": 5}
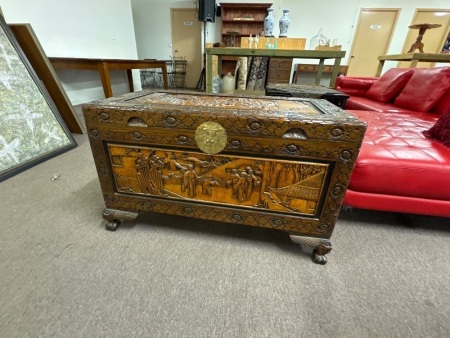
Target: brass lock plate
{"x": 211, "y": 137}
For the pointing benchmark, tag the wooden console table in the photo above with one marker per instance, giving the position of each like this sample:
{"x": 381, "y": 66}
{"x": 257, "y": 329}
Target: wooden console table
{"x": 275, "y": 53}
{"x": 413, "y": 57}
{"x": 103, "y": 66}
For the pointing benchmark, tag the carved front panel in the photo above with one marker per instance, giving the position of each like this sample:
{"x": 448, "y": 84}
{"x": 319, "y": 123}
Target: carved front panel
{"x": 292, "y": 187}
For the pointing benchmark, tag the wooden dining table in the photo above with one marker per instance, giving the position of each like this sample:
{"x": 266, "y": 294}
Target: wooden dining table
{"x": 103, "y": 66}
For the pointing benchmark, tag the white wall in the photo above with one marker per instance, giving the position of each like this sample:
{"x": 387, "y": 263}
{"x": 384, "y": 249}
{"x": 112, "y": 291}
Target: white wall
{"x": 85, "y": 29}
{"x": 153, "y": 26}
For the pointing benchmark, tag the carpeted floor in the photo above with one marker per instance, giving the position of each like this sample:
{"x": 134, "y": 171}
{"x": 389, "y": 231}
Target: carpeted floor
{"x": 63, "y": 275}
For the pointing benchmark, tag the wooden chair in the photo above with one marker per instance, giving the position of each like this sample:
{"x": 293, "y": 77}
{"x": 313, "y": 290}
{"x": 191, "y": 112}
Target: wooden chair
{"x": 178, "y": 72}
{"x": 148, "y": 76}
{"x": 159, "y": 80}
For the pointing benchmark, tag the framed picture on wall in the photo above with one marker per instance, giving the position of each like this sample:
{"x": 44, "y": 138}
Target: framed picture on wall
{"x": 35, "y": 54}
{"x": 31, "y": 128}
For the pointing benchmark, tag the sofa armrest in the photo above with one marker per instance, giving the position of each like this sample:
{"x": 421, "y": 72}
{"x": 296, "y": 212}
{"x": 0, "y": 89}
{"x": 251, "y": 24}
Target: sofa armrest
{"x": 354, "y": 86}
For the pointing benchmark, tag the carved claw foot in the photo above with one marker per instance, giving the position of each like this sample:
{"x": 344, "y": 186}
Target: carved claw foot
{"x": 115, "y": 217}
{"x": 320, "y": 247}
{"x": 113, "y": 226}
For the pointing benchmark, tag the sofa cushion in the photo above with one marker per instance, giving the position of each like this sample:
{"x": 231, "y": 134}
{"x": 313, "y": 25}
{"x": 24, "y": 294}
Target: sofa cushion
{"x": 441, "y": 130}
{"x": 443, "y": 105}
{"x": 396, "y": 158}
{"x": 363, "y": 103}
{"x": 390, "y": 84}
{"x": 424, "y": 89}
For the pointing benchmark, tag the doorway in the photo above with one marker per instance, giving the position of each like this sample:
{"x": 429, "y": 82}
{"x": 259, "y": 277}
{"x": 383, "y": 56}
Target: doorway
{"x": 433, "y": 39}
{"x": 374, "y": 24}
{"x": 186, "y": 42}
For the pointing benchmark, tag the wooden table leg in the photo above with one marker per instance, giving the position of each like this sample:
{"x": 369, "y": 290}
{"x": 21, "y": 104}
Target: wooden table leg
{"x": 106, "y": 80}
{"x": 295, "y": 75}
{"x": 319, "y": 72}
{"x": 335, "y": 72}
{"x": 208, "y": 85}
{"x": 165, "y": 77}
{"x": 219, "y": 67}
{"x": 380, "y": 68}
{"x": 130, "y": 80}
{"x": 414, "y": 63}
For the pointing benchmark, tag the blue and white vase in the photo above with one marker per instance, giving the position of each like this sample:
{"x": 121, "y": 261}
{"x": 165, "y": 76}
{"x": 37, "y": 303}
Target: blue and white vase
{"x": 269, "y": 22}
{"x": 285, "y": 21}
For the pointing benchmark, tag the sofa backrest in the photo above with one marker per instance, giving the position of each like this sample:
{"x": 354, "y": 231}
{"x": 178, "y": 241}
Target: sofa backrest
{"x": 425, "y": 88}
{"x": 353, "y": 85}
{"x": 443, "y": 105}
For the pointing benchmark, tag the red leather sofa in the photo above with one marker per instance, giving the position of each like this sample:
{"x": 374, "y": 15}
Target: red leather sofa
{"x": 398, "y": 168}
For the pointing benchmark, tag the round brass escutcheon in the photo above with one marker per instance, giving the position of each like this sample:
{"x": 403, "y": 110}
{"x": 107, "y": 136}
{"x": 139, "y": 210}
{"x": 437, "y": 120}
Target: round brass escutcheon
{"x": 211, "y": 137}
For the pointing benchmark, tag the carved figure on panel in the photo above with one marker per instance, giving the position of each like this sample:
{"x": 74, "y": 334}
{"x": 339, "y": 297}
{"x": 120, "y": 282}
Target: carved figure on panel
{"x": 171, "y": 162}
{"x": 142, "y": 172}
{"x": 233, "y": 182}
{"x": 207, "y": 185}
{"x": 190, "y": 181}
{"x": 242, "y": 186}
{"x": 156, "y": 186}
{"x": 252, "y": 182}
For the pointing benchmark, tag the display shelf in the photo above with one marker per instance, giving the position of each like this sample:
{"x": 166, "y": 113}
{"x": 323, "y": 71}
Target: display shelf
{"x": 245, "y": 18}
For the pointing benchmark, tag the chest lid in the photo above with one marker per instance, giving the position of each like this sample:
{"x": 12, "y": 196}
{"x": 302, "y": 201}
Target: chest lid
{"x": 262, "y": 115}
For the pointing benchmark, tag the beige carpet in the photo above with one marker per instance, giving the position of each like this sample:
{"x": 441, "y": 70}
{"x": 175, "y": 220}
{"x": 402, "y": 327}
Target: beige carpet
{"x": 63, "y": 275}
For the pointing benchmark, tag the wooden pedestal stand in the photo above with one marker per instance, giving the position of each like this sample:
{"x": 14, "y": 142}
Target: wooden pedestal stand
{"x": 422, "y": 27}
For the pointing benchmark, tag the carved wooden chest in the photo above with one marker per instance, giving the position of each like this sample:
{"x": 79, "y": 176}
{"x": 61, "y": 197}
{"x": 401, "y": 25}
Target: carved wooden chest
{"x": 273, "y": 162}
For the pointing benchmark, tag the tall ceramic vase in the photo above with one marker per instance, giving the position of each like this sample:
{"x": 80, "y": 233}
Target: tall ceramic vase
{"x": 269, "y": 22}
{"x": 285, "y": 21}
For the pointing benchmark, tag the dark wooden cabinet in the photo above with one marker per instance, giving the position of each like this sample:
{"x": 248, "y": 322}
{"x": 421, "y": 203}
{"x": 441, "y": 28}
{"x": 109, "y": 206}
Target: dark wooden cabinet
{"x": 240, "y": 20}
{"x": 279, "y": 70}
